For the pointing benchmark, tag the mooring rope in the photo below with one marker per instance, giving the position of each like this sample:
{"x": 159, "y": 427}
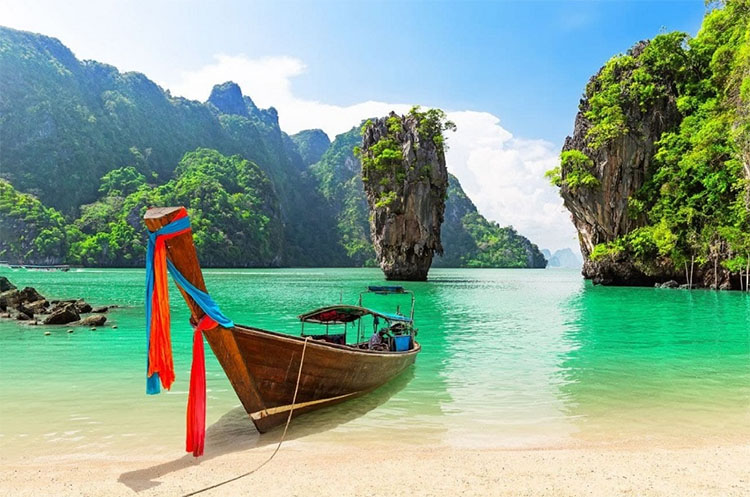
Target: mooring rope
{"x": 283, "y": 435}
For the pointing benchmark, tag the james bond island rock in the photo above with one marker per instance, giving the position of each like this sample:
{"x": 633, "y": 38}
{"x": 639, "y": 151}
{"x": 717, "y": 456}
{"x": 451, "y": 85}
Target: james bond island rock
{"x": 654, "y": 175}
{"x": 406, "y": 182}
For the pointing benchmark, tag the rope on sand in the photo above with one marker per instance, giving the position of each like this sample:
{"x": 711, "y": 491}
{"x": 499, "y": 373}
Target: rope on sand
{"x": 283, "y": 435}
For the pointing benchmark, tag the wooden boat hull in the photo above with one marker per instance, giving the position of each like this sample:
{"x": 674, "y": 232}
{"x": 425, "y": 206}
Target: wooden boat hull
{"x": 263, "y": 366}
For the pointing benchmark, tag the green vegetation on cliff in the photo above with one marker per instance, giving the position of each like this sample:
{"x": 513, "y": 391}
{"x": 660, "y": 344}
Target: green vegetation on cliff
{"x": 340, "y": 182}
{"x": 385, "y": 157}
{"x": 65, "y": 124}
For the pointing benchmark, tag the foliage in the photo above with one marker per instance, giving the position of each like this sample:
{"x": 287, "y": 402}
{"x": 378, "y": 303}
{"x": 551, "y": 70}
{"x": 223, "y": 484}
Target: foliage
{"x": 234, "y": 215}
{"x": 121, "y": 182}
{"x": 66, "y": 124}
{"x": 575, "y": 171}
{"x": 634, "y": 82}
{"x": 29, "y": 231}
{"x": 645, "y": 243}
{"x": 311, "y": 144}
{"x": 432, "y": 125}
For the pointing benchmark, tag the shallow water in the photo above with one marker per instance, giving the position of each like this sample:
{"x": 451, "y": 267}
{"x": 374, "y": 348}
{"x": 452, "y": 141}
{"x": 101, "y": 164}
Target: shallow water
{"x": 511, "y": 358}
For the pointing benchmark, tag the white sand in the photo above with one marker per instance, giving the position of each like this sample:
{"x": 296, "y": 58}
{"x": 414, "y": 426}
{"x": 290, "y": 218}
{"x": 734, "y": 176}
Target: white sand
{"x": 321, "y": 469}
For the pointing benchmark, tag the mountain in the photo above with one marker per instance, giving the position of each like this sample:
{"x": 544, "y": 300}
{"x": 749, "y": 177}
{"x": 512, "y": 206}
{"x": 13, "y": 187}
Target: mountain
{"x": 86, "y": 148}
{"x": 311, "y": 144}
{"x": 656, "y": 173}
{"x": 563, "y": 258}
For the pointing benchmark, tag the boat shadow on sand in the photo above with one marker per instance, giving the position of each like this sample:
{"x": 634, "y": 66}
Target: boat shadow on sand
{"x": 234, "y": 432}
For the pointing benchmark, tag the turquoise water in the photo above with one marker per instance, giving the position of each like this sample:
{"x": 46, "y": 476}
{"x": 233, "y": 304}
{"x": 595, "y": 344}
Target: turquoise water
{"x": 511, "y": 358}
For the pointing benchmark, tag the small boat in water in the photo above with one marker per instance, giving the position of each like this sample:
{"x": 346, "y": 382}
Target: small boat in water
{"x": 264, "y": 367}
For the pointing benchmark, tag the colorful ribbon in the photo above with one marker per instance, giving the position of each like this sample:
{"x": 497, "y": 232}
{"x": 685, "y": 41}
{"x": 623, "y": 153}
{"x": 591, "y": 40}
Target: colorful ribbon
{"x": 159, "y": 364}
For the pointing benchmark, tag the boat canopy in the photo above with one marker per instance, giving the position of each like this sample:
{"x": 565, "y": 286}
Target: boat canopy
{"x": 340, "y": 314}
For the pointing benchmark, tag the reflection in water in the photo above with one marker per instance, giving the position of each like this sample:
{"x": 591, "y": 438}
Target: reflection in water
{"x": 501, "y": 359}
{"x": 657, "y": 363}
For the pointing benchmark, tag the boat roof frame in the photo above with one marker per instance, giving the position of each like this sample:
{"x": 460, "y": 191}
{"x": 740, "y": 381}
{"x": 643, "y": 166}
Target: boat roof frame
{"x": 354, "y": 310}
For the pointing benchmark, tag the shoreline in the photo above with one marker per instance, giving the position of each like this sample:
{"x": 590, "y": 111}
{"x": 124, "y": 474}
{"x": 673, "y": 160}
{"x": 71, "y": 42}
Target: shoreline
{"x": 320, "y": 469}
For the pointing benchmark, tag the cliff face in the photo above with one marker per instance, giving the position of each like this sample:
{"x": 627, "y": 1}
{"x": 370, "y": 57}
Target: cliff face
{"x": 655, "y": 175}
{"x": 620, "y": 167}
{"x": 406, "y": 181}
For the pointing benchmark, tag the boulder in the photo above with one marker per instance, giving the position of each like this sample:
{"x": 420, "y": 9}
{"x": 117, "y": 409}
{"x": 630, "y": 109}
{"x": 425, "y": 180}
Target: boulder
{"x": 100, "y": 310}
{"x": 29, "y": 294}
{"x": 63, "y": 314}
{"x": 6, "y": 285}
{"x": 82, "y": 306}
{"x": 38, "y": 307}
{"x": 21, "y": 316}
{"x": 20, "y": 308}
{"x": 9, "y": 298}
{"x": 93, "y": 320}
{"x": 669, "y": 284}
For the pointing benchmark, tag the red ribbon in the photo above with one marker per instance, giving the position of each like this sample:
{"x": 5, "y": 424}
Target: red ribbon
{"x": 196, "y": 408}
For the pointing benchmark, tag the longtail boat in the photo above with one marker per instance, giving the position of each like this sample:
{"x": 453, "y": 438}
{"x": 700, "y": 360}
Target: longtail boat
{"x": 264, "y": 366}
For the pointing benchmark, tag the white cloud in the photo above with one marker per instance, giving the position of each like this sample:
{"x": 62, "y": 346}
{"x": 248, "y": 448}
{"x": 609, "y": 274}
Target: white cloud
{"x": 502, "y": 174}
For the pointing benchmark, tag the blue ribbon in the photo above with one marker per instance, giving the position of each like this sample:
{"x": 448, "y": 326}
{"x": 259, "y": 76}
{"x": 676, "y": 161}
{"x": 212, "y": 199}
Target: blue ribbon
{"x": 200, "y": 297}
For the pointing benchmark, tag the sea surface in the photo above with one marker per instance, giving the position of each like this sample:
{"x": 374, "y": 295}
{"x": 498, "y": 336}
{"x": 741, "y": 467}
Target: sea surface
{"x": 510, "y": 359}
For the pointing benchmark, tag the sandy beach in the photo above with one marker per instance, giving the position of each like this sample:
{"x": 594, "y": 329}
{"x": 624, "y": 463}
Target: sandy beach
{"x": 302, "y": 469}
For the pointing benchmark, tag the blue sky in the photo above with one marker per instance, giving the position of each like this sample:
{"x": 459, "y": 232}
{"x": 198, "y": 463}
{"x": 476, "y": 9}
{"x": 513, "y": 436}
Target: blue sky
{"x": 512, "y": 71}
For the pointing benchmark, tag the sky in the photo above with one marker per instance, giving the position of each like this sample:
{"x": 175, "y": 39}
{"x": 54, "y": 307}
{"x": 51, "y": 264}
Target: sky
{"x": 510, "y": 74}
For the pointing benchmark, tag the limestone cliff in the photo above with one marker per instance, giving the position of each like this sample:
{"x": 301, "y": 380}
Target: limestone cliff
{"x": 655, "y": 173}
{"x": 406, "y": 182}
{"x": 619, "y": 168}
